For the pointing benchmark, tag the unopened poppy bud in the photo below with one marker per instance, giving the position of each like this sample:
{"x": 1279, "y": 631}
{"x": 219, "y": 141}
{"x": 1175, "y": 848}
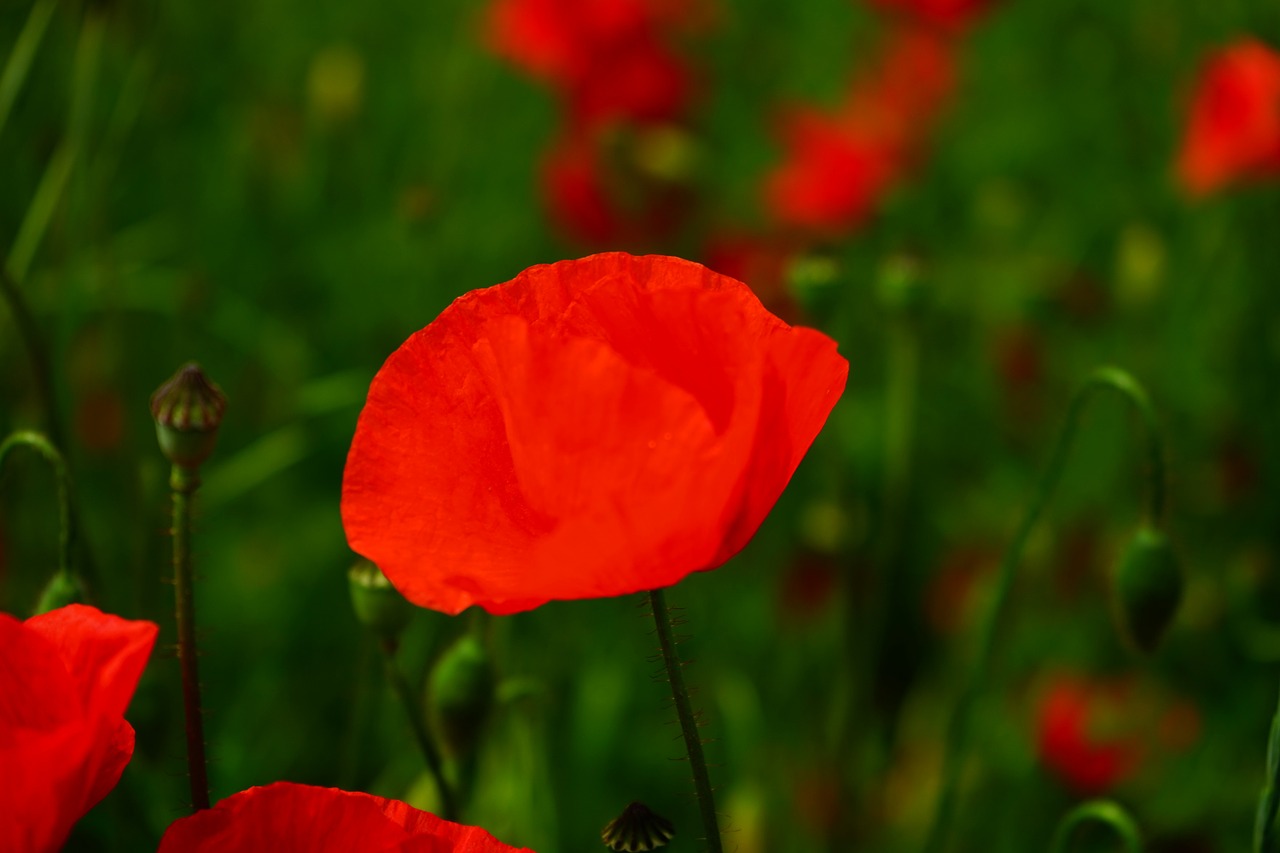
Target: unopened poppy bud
{"x": 899, "y": 285}
{"x": 460, "y": 695}
{"x": 377, "y": 605}
{"x": 1148, "y": 588}
{"x": 637, "y": 829}
{"x": 187, "y": 411}
{"x": 62, "y": 589}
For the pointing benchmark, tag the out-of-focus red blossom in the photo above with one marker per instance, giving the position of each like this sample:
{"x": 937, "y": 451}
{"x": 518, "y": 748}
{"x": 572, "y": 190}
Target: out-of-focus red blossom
{"x": 576, "y": 193}
{"x": 947, "y": 14}
{"x": 951, "y": 595}
{"x": 1234, "y": 127}
{"x": 289, "y": 818}
{"x": 66, "y": 678}
{"x": 759, "y": 261}
{"x": 607, "y": 58}
{"x": 591, "y": 428}
{"x": 839, "y": 164}
{"x": 807, "y": 587}
{"x": 1087, "y": 760}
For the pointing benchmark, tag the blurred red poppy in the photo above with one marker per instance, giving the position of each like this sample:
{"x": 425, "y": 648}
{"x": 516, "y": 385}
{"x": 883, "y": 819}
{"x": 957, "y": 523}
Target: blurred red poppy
{"x": 948, "y": 14}
{"x": 290, "y": 818}
{"x": 1234, "y": 127}
{"x": 66, "y": 678}
{"x": 590, "y": 428}
{"x": 1073, "y": 741}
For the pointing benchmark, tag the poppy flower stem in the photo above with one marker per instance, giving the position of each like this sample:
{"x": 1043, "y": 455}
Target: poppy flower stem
{"x": 1107, "y": 812}
{"x": 183, "y": 482}
{"x": 47, "y": 451}
{"x": 1264, "y": 829}
{"x": 688, "y": 720}
{"x": 418, "y": 723}
{"x": 957, "y": 738}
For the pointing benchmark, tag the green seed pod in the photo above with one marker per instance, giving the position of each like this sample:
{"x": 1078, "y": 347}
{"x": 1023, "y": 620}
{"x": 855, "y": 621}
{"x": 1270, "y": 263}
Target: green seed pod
{"x": 1148, "y": 588}
{"x": 62, "y": 589}
{"x": 378, "y": 606}
{"x": 637, "y": 830}
{"x": 187, "y": 410}
{"x": 460, "y": 694}
{"x": 900, "y": 287}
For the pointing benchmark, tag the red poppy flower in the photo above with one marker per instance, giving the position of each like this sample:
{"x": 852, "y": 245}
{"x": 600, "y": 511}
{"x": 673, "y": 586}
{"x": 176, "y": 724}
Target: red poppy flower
{"x": 1234, "y": 130}
{"x": 1073, "y": 742}
{"x": 590, "y": 428}
{"x": 290, "y": 818}
{"x": 66, "y": 678}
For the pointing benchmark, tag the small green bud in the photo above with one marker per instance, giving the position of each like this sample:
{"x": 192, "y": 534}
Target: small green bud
{"x": 187, "y": 410}
{"x": 1148, "y": 588}
{"x": 62, "y": 589}
{"x": 460, "y": 695}
{"x": 899, "y": 285}
{"x": 378, "y": 606}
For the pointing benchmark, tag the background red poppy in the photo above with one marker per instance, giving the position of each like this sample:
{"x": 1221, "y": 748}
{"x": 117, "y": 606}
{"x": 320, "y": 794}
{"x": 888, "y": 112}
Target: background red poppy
{"x": 590, "y": 428}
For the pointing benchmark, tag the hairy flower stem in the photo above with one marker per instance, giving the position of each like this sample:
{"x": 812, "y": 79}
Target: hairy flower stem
{"x": 184, "y": 482}
{"x": 1107, "y": 812}
{"x": 688, "y": 721}
{"x": 957, "y": 739}
{"x": 418, "y": 723}
{"x": 1264, "y": 829}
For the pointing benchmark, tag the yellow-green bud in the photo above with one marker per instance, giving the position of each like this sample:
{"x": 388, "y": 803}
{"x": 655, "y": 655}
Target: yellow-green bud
{"x": 187, "y": 410}
{"x": 899, "y": 285}
{"x": 1148, "y": 588}
{"x": 378, "y": 606}
{"x": 460, "y": 695}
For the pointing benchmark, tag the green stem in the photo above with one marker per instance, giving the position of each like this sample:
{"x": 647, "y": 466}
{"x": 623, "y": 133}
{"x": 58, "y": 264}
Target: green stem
{"x": 958, "y": 729}
{"x": 184, "y": 482}
{"x": 417, "y": 722}
{"x": 22, "y": 54}
{"x": 1107, "y": 812}
{"x": 1264, "y": 830}
{"x": 688, "y": 720}
{"x": 46, "y": 449}
{"x": 30, "y": 335}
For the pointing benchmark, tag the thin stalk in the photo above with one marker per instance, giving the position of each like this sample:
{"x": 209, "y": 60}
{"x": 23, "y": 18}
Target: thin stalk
{"x": 30, "y": 335}
{"x": 184, "y": 482}
{"x": 21, "y": 56}
{"x": 957, "y": 740}
{"x": 418, "y": 723}
{"x": 688, "y": 720}
{"x": 1264, "y": 829}
{"x": 47, "y": 451}
{"x": 1106, "y": 812}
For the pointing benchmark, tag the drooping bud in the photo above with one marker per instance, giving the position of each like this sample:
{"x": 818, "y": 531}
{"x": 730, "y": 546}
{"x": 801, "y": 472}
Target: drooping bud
{"x": 460, "y": 695}
{"x": 1148, "y": 588}
{"x": 378, "y": 606}
{"x": 187, "y": 411}
{"x": 637, "y": 829}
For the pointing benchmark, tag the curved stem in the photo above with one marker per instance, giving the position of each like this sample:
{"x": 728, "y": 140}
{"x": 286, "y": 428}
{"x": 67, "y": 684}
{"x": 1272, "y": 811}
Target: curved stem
{"x": 1107, "y": 812}
{"x": 30, "y": 335}
{"x": 417, "y": 722}
{"x": 184, "y": 482}
{"x": 688, "y": 720}
{"x": 1264, "y": 829}
{"x": 958, "y": 729}
{"x": 44, "y": 447}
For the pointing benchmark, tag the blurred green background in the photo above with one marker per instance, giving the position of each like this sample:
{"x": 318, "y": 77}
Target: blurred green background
{"x": 286, "y": 191}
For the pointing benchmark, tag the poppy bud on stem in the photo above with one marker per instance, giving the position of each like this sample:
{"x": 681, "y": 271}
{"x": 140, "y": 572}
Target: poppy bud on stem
{"x": 688, "y": 720}
{"x": 1100, "y": 811}
{"x": 63, "y": 588}
{"x": 958, "y": 727}
{"x": 188, "y": 410}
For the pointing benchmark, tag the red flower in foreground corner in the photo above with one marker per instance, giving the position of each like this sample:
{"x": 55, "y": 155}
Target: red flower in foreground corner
{"x": 591, "y": 428}
{"x": 290, "y": 818}
{"x": 66, "y": 678}
{"x": 1234, "y": 130}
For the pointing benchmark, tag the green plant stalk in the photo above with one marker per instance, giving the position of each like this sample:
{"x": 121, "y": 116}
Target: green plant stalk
{"x": 418, "y": 723}
{"x": 30, "y": 335}
{"x": 688, "y": 721}
{"x": 47, "y": 451}
{"x": 21, "y": 56}
{"x": 957, "y": 739}
{"x": 1107, "y": 812}
{"x": 184, "y": 482}
{"x": 1264, "y": 829}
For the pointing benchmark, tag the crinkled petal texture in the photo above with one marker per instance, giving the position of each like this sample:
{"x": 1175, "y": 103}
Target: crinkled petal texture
{"x": 66, "y": 678}
{"x": 590, "y": 428}
{"x": 290, "y": 818}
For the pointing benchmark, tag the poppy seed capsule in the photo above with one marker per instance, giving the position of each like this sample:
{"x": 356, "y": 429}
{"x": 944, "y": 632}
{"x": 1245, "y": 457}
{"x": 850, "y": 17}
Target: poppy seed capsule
{"x": 376, "y": 603}
{"x": 187, "y": 410}
{"x": 1148, "y": 588}
{"x": 460, "y": 695}
{"x": 637, "y": 830}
